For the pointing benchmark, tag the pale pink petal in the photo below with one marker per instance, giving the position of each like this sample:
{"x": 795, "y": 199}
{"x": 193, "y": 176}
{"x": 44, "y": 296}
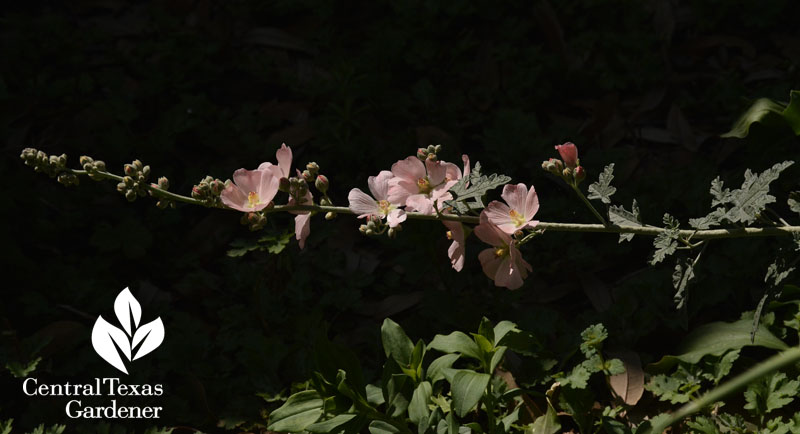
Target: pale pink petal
{"x": 452, "y": 172}
{"x": 248, "y": 180}
{"x": 507, "y": 275}
{"x": 437, "y": 171}
{"x": 465, "y": 160}
{"x": 531, "y": 204}
{"x": 284, "y": 157}
{"x": 302, "y": 228}
{"x": 269, "y": 186}
{"x": 265, "y": 165}
{"x": 569, "y": 153}
{"x": 519, "y": 262}
{"x": 233, "y": 197}
{"x": 457, "y": 248}
{"x": 395, "y": 217}
{"x": 362, "y": 204}
{"x": 490, "y": 234}
{"x": 420, "y": 203}
{"x": 442, "y": 194}
{"x": 515, "y": 196}
{"x": 379, "y": 185}
{"x": 411, "y": 169}
{"x": 500, "y": 215}
{"x": 400, "y": 189}
{"x": 489, "y": 262}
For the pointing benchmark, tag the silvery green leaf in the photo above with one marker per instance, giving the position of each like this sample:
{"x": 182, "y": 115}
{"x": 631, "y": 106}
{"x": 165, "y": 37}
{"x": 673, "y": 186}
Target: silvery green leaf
{"x": 751, "y": 199}
{"x": 684, "y": 272}
{"x": 622, "y": 217}
{"x": 602, "y": 189}
{"x": 666, "y": 241}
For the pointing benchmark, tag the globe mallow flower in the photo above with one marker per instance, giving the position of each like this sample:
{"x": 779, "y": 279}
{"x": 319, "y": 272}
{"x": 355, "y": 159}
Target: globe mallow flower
{"x": 518, "y": 211}
{"x": 503, "y": 262}
{"x": 378, "y": 204}
{"x": 455, "y": 232}
{"x": 251, "y": 190}
{"x": 569, "y": 153}
{"x": 420, "y": 185}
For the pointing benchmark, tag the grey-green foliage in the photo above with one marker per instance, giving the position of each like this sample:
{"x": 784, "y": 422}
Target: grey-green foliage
{"x": 592, "y": 339}
{"x": 744, "y": 204}
{"x": 468, "y": 192}
{"x": 666, "y": 242}
{"x": 689, "y": 378}
{"x": 622, "y": 217}
{"x": 602, "y": 189}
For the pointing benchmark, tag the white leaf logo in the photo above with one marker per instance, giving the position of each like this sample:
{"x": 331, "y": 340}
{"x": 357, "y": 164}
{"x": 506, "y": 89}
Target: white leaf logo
{"x": 132, "y": 341}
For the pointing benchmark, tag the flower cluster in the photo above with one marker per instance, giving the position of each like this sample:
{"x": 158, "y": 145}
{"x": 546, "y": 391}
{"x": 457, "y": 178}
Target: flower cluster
{"x": 570, "y": 170}
{"x": 253, "y": 191}
{"x": 421, "y": 184}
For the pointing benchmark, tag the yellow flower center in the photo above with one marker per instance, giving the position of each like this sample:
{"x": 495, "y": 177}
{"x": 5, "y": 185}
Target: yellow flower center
{"x": 384, "y": 206}
{"x": 449, "y": 235}
{"x": 517, "y": 218}
{"x": 424, "y": 185}
{"x": 501, "y": 252}
{"x": 253, "y": 199}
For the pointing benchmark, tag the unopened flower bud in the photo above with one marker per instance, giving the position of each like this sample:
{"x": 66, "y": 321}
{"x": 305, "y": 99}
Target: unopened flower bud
{"x": 130, "y": 195}
{"x": 313, "y": 168}
{"x": 100, "y": 165}
{"x": 162, "y": 204}
{"x": 437, "y": 149}
{"x": 284, "y": 185}
{"x": 370, "y": 232}
{"x": 163, "y": 183}
{"x": 580, "y": 174}
{"x": 422, "y": 153}
{"x": 62, "y": 160}
{"x": 325, "y": 202}
{"x": 217, "y": 186}
{"x": 567, "y": 172}
{"x": 146, "y": 171}
{"x": 322, "y": 183}
{"x": 392, "y": 233}
{"x": 130, "y": 170}
{"x": 196, "y": 192}
{"x": 137, "y": 165}
{"x": 431, "y": 149}
{"x": 128, "y": 181}
{"x": 121, "y": 187}
{"x": 569, "y": 153}
{"x": 362, "y": 229}
{"x": 432, "y": 157}
{"x": 330, "y": 215}
{"x": 84, "y": 160}
{"x": 307, "y": 176}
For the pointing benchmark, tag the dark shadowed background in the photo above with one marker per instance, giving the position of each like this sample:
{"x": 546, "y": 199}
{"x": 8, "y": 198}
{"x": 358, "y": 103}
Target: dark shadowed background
{"x": 197, "y": 88}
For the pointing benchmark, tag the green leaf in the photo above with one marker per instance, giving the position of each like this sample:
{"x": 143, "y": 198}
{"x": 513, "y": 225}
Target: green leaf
{"x": 794, "y": 201}
{"x": 602, "y": 189}
{"x": 474, "y": 187}
{"x": 715, "y": 339}
{"x": 770, "y": 393}
{"x": 670, "y": 388}
{"x": 703, "y": 425}
{"x": 375, "y": 395}
{"x": 468, "y": 387}
{"x": 381, "y": 427}
{"x": 330, "y": 425}
{"x": 6, "y": 426}
{"x": 22, "y": 370}
{"x": 751, "y": 199}
{"x": 765, "y": 110}
{"x": 396, "y": 343}
{"x": 683, "y": 273}
{"x": 436, "y": 368}
{"x": 497, "y": 357}
{"x": 592, "y": 339}
{"x": 502, "y": 329}
{"x": 299, "y": 412}
{"x": 578, "y": 378}
{"x": 456, "y": 342}
{"x": 546, "y": 424}
{"x": 622, "y": 217}
{"x": 418, "y": 408}
{"x": 665, "y": 242}
{"x": 578, "y": 404}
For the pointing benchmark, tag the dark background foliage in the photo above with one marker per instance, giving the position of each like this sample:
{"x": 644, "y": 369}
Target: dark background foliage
{"x": 200, "y": 87}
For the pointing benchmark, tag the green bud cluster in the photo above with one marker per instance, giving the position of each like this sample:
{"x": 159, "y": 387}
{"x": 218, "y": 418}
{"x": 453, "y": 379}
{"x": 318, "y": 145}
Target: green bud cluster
{"x": 52, "y": 165}
{"x": 134, "y": 183}
{"x": 93, "y": 167}
{"x": 254, "y": 220}
{"x": 208, "y": 191}
{"x": 376, "y": 226}
{"x": 429, "y": 153}
{"x": 570, "y": 176}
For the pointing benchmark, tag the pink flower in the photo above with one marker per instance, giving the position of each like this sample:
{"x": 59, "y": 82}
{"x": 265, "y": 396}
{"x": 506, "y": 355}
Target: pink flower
{"x": 251, "y": 190}
{"x": 302, "y": 221}
{"x": 518, "y": 214}
{"x": 569, "y": 153}
{"x": 378, "y": 204}
{"x": 503, "y": 263}
{"x": 284, "y": 157}
{"x": 457, "y": 248}
{"x": 420, "y": 185}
